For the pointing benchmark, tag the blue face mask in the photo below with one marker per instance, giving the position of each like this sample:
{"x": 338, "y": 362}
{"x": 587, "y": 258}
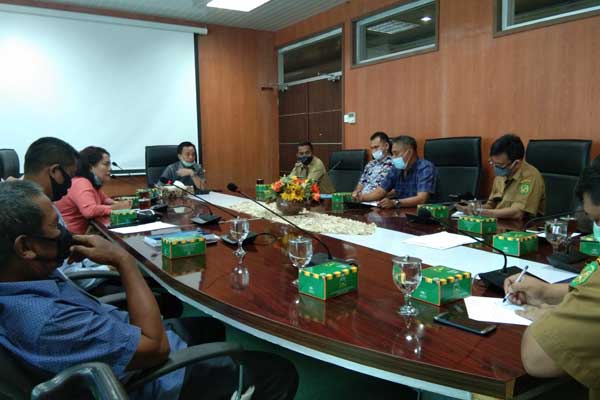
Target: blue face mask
{"x": 596, "y": 232}
{"x": 97, "y": 181}
{"x": 399, "y": 163}
{"x": 499, "y": 171}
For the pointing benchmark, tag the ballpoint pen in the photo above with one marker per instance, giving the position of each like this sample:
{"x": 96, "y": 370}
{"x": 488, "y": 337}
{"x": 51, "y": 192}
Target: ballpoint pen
{"x": 518, "y": 280}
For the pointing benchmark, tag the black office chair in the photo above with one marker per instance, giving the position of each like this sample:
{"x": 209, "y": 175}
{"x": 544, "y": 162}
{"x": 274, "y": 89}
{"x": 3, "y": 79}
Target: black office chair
{"x": 9, "y": 163}
{"x": 346, "y": 167}
{"x": 458, "y": 164}
{"x": 157, "y": 159}
{"x": 560, "y": 162}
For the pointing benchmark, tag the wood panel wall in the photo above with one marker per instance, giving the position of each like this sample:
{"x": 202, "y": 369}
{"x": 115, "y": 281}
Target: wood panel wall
{"x": 541, "y": 84}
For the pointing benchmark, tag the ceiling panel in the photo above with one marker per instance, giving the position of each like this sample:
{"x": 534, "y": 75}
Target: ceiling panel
{"x": 274, "y": 15}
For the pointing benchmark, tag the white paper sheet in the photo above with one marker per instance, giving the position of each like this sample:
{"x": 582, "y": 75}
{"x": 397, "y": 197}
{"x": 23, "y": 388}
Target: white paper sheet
{"x": 491, "y": 309}
{"x": 457, "y": 214}
{"x": 370, "y": 203}
{"x": 440, "y": 241}
{"x": 153, "y": 226}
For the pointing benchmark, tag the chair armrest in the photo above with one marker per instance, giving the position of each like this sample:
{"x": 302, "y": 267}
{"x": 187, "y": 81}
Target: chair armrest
{"x": 96, "y": 376}
{"x": 93, "y": 273}
{"x": 183, "y": 358}
{"x": 113, "y": 299}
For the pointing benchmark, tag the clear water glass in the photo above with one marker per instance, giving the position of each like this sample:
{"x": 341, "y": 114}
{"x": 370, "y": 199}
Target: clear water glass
{"x": 406, "y": 274}
{"x": 556, "y": 232}
{"x": 300, "y": 252}
{"x": 474, "y": 207}
{"x": 240, "y": 227}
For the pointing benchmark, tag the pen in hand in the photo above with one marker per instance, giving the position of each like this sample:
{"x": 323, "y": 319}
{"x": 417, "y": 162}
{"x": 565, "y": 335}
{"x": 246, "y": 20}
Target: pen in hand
{"x": 518, "y": 280}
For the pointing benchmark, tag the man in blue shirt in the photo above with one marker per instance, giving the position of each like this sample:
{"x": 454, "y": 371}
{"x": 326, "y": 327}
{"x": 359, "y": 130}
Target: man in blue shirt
{"x": 51, "y": 324}
{"x": 411, "y": 182}
{"x": 376, "y": 170}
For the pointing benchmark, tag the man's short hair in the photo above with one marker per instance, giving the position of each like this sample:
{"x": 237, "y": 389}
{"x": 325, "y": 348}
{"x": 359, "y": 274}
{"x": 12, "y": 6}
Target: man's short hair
{"x": 19, "y": 215}
{"x": 309, "y": 144}
{"x": 509, "y": 144}
{"x": 382, "y": 136}
{"x": 405, "y": 140}
{"x": 47, "y": 151}
{"x": 589, "y": 182}
{"x": 185, "y": 144}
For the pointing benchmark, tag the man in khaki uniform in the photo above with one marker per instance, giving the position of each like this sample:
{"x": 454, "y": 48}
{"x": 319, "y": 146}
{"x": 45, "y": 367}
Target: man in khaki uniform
{"x": 518, "y": 190}
{"x": 311, "y": 167}
{"x": 564, "y": 337}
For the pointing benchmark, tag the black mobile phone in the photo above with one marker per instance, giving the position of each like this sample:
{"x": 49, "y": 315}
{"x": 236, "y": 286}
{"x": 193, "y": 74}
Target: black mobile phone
{"x": 461, "y": 321}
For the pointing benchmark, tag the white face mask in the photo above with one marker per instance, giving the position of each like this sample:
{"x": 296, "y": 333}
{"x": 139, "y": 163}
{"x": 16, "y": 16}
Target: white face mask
{"x": 377, "y": 155}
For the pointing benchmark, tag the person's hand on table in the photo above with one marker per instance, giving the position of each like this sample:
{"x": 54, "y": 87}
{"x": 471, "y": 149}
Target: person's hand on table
{"x": 462, "y": 207}
{"x": 533, "y": 313}
{"x": 529, "y": 291}
{"x": 121, "y": 205}
{"x": 99, "y": 250}
{"x": 356, "y": 195}
{"x": 387, "y": 203}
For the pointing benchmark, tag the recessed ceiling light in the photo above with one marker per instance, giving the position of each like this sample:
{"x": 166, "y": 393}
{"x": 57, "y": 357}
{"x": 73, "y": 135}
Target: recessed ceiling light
{"x": 392, "y": 26}
{"x": 426, "y": 18}
{"x": 237, "y": 5}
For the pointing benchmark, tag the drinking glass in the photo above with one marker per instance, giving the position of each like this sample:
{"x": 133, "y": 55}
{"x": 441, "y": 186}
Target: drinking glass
{"x": 406, "y": 274}
{"x": 474, "y": 207}
{"x": 240, "y": 227}
{"x": 300, "y": 251}
{"x": 556, "y": 232}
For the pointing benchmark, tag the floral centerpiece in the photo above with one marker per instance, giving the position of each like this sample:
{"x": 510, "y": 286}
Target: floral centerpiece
{"x": 291, "y": 194}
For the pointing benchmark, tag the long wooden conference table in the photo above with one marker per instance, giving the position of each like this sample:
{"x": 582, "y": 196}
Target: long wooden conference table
{"x": 362, "y": 330}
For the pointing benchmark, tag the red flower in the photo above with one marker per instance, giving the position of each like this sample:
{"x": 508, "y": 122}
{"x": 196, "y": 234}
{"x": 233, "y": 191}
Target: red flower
{"x": 277, "y": 186}
{"x": 315, "y": 188}
{"x": 316, "y": 196}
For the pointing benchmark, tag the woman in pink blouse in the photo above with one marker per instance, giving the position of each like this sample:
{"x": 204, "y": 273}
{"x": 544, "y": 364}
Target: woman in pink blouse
{"x": 85, "y": 200}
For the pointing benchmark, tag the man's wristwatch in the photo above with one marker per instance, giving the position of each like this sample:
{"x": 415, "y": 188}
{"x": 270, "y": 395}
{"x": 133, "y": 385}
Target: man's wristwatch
{"x": 397, "y": 204}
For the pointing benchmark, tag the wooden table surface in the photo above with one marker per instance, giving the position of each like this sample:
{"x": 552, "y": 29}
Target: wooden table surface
{"x": 363, "y": 326}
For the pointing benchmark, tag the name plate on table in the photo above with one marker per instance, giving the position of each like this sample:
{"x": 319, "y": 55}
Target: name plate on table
{"x": 328, "y": 280}
{"x": 477, "y": 224}
{"x": 588, "y": 245}
{"x": 441, "y": 285}
{"x": 516, "y": 243}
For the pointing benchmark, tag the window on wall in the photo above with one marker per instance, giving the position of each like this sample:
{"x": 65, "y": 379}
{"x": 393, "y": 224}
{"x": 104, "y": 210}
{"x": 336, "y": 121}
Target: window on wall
{"x": 516, "y": 14}
{"x": 318, "y": 57}
{"x": 400, "y": 31}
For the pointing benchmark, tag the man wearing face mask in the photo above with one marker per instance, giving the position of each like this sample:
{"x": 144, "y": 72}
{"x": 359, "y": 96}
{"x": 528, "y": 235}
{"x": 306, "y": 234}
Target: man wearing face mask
{"x": 186, "y": 170}
{"x": 311, "y": 167}
{"x": 376, "y": 170}
{"x": 563, "y": 338}
{"x": 518, "y": 190}
{"x": 412, "y": 179}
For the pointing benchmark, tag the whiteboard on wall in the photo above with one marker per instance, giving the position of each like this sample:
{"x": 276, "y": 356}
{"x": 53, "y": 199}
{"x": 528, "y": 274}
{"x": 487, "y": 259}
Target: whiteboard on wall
{"x": 95, "y": 83}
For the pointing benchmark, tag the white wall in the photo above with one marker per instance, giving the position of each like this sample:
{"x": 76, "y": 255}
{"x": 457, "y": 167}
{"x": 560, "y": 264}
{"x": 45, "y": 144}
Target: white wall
{"x": 95, "y": 83}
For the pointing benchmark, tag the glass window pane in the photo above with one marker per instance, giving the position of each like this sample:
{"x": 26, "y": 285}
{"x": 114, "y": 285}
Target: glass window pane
{"x": 410, "y": 27}
{"x": 315, "y": 59}
{"x": 526, "y": 12}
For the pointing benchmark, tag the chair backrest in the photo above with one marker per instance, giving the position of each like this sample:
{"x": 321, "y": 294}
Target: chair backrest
{"x": 9, "y": 163}
{"x": 16, "y": 381}
{"x": 458, "y": 164}
{"x": 560, "y": 162}
{"x": 346, "y": 167}
{"x": 157, "y": 159}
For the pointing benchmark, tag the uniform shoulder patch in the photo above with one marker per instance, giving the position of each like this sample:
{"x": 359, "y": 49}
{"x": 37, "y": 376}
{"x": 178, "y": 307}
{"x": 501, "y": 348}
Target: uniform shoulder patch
{"x": 525, "y": 188}
{"x": 585, "y": 274}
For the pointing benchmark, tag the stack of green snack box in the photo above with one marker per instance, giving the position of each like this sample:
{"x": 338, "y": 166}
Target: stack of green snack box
{"x": 477, "y": 224}
{"x": 263, "y": 192}
{"x": 516, "y": 243}
{"x": 184, "y": 246}
{"x": 588, "y": 245}
{"x": 119, "y": 217}
{"x": 441, "y": 285}
{"x": 328, "y": 280}
{"x": 338, "y": 199}
{"x": 436, "y": 210}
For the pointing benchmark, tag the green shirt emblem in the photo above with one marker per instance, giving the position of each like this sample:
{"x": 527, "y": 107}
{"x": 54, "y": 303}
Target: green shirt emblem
{"x": 585, "y": 274}
{"x": 525, "y": 188}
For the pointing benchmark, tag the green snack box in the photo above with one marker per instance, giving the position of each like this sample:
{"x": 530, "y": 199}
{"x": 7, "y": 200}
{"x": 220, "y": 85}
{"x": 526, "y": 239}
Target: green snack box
{"x": 184, "y": 246}
{"x": 328, "y": 280}
{"x": 263, "y": 192}
{"x": 133, "y": 199}
{"x": 338, "y": 199}
{"x": 588, "y": 245}
{"x": 516, "y": 243}
{"x": 441, "y": 285}
{"x": 436, "y": 210}
{"x": 477, "y": 224}
{"x": 118, "y": 217}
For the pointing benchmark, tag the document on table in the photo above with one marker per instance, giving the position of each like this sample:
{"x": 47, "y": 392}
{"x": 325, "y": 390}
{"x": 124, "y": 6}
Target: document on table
{"x": 370, "y": 203}
{"x": 457, "y": 214}
{"x": 491, "y": 309}
{"x": 153, "y": 226}
{"x": 440, "y": 241}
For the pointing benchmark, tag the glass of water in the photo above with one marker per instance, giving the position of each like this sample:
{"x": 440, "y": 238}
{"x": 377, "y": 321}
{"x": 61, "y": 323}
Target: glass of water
{"x": 300, "y": 251}
{"x": 474, "y": 207}
{"x": 406, "y": 274}
{"x": 240, "y": 227}
{"x": 556, "y": 232}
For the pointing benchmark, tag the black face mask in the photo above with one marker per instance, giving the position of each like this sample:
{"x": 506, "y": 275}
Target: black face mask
{"x": 60, "y": 189}
{"x": 305, "y": 159}
{"x": 63, "y": 245}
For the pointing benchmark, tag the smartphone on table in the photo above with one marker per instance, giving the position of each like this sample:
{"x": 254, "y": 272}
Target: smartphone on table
{"x": 462, "y": 321}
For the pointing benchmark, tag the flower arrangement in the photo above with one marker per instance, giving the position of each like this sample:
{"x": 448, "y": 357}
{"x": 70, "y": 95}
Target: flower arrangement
{"x": 292, "y": 188}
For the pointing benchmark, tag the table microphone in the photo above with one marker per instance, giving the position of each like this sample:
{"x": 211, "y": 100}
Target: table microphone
{"x": 317, "y": 258}
{"x": 493, "y": 278}
{"x": 201, "y": 219}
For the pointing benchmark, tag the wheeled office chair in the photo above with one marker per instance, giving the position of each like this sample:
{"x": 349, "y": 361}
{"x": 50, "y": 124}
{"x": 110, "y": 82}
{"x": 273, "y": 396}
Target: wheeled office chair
{"x": 157, "y": 159}
{"x": 346, "y": 167}
{"x": 9, "y": 163}
{"x": 458, "y": 164}
{"x": 560, "y": 162}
